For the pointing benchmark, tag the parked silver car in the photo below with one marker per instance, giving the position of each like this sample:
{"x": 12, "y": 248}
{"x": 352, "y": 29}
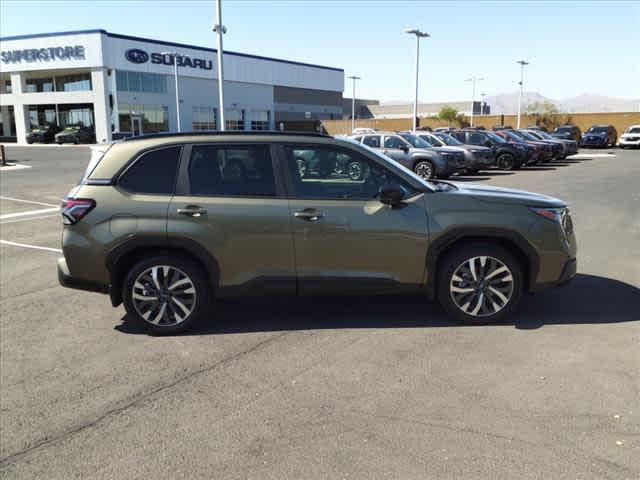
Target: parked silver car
{"x": 478, "y": 157}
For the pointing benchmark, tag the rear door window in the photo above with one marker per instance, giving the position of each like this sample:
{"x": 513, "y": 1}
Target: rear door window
{"x": 153, "y": 173}
{"x": 372, "y": 141}
{"x": 231, "y": 171}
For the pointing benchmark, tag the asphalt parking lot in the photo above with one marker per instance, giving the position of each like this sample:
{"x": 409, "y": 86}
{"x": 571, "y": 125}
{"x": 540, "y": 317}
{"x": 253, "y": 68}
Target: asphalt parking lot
{"x": 361, "y": 388}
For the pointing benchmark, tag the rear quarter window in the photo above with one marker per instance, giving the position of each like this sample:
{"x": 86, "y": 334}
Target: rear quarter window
{"x": 153, "y": 172}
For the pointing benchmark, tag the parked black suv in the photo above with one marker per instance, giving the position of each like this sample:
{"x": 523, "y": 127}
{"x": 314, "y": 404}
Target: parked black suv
{"x": 600, "y": 136}
{"x": 567, "y": 132}
{"x": 508, "y": 156}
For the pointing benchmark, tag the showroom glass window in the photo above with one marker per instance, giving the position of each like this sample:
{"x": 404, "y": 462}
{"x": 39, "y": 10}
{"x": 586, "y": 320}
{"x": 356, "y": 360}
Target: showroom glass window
{"x": 73, "y": 83}
{"x": 38, "y": 85}
{"x": 319, "y": 172}
{"x": 234, "y": 119}
{"x": 231, "y": 171}
{"x": 260, "y": 120}
{"x": 140, "y": 82}
{"x": 203, "y": 118}
{"x": 153, "y": 173}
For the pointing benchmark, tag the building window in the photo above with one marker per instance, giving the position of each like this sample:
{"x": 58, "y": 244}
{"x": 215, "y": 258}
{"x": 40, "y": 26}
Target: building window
{"x": 141, "y": 82}
{"x": 204, "y": 118}
{"x": 155, "y": 118}
{"x": 5, "y": 86}
{"x": 260, "y": 120}
{"x": 234, "y": 119}
{"x": 75, "y": 115}
{"x": 73, "y": 83}
{"x": 36, "y": 85}
{"x": 41, "y": 116}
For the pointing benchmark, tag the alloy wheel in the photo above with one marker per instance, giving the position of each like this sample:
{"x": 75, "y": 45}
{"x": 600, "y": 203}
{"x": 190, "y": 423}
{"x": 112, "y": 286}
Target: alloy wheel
{"x": 164, "y": 295}
{"x": 481, "y": 286}
{"x": 424, "y": 170}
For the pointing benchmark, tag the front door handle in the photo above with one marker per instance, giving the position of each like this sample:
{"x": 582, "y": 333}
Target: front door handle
{"x": 192, "y": 211}
{"x": 308, "y": 214}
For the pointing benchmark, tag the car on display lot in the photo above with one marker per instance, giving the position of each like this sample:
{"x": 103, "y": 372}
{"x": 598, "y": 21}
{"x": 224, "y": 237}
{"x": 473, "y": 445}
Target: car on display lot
{"x": 538, "y": 152}
{"x": 76, "y": 135}
{"x": 630, "y": 137}
{"x": 567, "y": 132}
{"x": 423, "y": 160}
{"x": 45, "y": 134}
{"x": 477, "y": 158}
{"x": 362, "y": 131}
{"x": 451, "y": 153}
{"x": 185, "y": 213}
{"x": 558, "y": 148}
{"x": 599, "y": 136}
{"x": 570, "y": 146}
{"x": 508, "y": 156}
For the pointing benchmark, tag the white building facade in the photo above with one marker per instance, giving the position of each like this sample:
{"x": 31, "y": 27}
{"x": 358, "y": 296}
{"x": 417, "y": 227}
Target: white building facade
{"x": 122, "y": 85}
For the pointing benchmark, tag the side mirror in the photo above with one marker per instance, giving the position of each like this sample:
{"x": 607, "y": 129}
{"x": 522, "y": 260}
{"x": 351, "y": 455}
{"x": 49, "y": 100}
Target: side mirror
{"x": 404, "y": 148}
{"x": 391, "y": 195}
{"x": 488, "y": 144}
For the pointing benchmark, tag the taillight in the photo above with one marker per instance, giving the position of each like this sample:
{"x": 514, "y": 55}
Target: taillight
{"x": 74, "y": 209}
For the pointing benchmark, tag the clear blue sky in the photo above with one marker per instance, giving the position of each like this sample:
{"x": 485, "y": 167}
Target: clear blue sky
{"x": 573, "y": 46}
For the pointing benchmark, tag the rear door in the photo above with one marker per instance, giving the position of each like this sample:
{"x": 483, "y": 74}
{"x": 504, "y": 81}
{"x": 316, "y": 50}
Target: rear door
{"x": 229, "y": 200}
{"x": 345, "y": 239}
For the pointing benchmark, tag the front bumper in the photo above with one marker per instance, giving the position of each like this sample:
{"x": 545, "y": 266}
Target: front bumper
{"x": 593, "y": 142}
{"x": 67, "y": 280}
{"x": 623, "y": 142}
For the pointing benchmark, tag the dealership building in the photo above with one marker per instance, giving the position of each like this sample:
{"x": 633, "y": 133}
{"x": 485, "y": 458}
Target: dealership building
{"x": 123, "y": 85}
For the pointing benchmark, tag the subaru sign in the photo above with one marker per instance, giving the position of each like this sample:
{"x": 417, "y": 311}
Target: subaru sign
{"x": 135, "y": 55}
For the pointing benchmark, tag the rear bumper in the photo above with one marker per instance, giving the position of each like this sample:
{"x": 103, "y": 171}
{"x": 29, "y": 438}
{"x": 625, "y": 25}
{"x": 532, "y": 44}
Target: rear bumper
{"x": 67, "y": 280}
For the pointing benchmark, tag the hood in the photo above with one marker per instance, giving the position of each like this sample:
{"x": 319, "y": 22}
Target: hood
{"x": 449, "y": 149}
{"x": 510, "y": 196}
{"x": 427, "y": 152}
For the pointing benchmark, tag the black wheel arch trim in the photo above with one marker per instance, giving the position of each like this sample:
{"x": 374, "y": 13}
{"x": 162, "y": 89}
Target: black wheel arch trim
{"x": 157, "y": 242}
{"x": 440, "y": 245}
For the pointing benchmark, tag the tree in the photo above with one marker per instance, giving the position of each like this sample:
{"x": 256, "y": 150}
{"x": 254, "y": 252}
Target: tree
{"x": 448, "y": 114}
{"x": 544, "y": 113}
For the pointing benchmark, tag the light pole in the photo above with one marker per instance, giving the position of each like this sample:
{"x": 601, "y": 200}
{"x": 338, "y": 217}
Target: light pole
{"x": 522, "y": 64}
{"x": 174, "y": 55}
{"x": 419, "y": 34}
{"x": 473, "y": 81}
{"x": 353, "y": 102}
{"x": 220, "y": 30}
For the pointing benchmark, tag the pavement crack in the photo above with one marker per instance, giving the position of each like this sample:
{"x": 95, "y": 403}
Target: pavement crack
{"x": 132, "y": 402}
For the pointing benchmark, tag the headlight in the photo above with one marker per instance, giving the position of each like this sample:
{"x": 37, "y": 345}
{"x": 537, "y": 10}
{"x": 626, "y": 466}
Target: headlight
{"x": 560, "y": 216}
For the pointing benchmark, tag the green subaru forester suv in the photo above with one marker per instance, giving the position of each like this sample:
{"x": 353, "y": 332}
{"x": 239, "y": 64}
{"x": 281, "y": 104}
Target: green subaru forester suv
{"x": 168, "y": 222}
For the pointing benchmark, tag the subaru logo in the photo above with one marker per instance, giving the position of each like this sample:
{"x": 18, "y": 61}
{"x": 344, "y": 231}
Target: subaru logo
{"x": 135, "y": 55}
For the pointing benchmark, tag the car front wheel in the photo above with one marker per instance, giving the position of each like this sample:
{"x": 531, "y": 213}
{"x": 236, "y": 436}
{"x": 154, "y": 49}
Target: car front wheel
{"x": 506, "y": 162}
{"x": 166, "y": 294}
{"x": 424, "y": 169}
{"x": 479, "y": 283}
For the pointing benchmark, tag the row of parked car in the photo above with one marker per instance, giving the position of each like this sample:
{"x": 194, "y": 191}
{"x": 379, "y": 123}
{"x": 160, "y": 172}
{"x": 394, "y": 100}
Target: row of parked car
{"x": 56, "y": 134}
{"x": 440, "y": 154}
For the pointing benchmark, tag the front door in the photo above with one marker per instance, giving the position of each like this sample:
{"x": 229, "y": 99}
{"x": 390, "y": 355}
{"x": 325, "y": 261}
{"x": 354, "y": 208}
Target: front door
{"x": 227, "y": 202}
{"x": 345, "y": 239}
{"x": 136, "y": 126}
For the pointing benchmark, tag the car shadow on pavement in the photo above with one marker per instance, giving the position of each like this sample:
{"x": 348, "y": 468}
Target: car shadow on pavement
{"x": 588, "y": 299}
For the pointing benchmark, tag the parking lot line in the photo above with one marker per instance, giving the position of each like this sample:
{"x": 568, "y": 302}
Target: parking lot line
{"x": 28, "y": 219}
{"x": 12, "y": 199}
{"x": 30, "y": 212}
{"x": 35, "y": 247}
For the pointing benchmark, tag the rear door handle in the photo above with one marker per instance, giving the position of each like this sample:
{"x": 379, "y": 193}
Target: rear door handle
{"x": 308, "y": 214}
{"x": 192, "y": 211}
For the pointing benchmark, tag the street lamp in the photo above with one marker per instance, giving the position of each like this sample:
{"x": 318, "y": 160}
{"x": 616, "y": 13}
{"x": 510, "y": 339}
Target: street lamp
{"x": 419, "y": 34}
{"x": 473, "y": 80}
{"x": 174, "y": 56}
{"x": 220, "y": 30}
{"x": 522, "y": 65}
{"x": 353, "y": 102}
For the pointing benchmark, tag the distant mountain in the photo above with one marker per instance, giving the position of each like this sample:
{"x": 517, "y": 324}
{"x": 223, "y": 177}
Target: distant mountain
{"x": 507, "y": 103}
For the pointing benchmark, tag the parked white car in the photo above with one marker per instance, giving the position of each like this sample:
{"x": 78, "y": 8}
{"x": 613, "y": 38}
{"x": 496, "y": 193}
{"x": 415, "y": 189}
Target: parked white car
{"x": 363, "y": 131}
{"x": 630, "y": 137}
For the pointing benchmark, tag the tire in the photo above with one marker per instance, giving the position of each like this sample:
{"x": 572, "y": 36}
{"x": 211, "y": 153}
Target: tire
{"x": 191, "y": 297}
{"x": 506, "y": 161}
{"x": 485, "y": 303}
{"x": 472, "y": 172}
{"x": 424, "y": 169}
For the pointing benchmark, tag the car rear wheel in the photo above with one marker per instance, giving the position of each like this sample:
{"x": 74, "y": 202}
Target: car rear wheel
{"x": 165, "y": 294}
{"x": 506, "y": 161}
{"x": 479, "y": 283}
{"x": 424, "y": 169}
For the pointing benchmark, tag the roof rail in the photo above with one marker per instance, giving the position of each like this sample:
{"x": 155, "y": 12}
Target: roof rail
{"x": 234, "y": 133}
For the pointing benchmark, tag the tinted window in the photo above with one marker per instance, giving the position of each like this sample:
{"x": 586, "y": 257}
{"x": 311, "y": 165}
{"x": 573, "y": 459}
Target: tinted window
{"x": 476, "y": 138}
{"x": 153, "y": 173}
{"x": 230, "y": 170}
{"x": 330, "y": 173}
{"x": 372, "y": 141}
{"x": 394, "y": 142}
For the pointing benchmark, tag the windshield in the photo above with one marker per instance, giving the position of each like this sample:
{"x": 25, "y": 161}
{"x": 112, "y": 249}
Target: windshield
{"x": 632, "y": 130}
{"x": 448, "y": 139}
{"x": 527, "y": 136}
{"x": 563, "y": 130}
{"x": 512, "y": 135}
{"x": 597, "y": 130}
{"x": 545, "y": 135}
{"x": 496, "y": 138}
{"x": 536, "y": 135}
{"x": 415, "y": 141}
